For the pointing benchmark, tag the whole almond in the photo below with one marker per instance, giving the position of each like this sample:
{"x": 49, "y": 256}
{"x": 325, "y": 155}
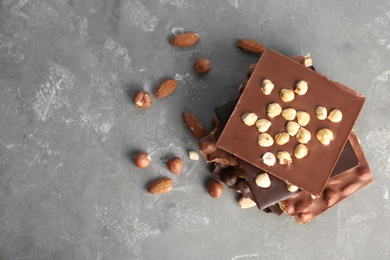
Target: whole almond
{"x": 250, "y": 46}
{"x": 160, "y": 186}
{"x": 184, "y": 40}
{"x": 194, "y": 125}
{"x": 166, "y": 88}
{"x": 202, "y": 65}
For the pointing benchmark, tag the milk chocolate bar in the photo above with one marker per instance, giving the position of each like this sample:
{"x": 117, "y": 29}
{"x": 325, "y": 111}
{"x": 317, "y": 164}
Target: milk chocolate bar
{"x": 304, "y": 208}
{"x": 242, "y": 140}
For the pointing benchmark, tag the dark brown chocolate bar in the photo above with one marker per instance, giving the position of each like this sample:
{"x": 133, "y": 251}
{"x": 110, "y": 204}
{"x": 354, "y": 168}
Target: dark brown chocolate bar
{"x": 241, "y": 140}
{"x": 304, "y": 208}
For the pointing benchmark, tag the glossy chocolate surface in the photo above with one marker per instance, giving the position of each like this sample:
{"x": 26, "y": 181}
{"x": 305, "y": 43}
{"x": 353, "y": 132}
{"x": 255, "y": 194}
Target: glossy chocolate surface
{"x": 241, "y": 140}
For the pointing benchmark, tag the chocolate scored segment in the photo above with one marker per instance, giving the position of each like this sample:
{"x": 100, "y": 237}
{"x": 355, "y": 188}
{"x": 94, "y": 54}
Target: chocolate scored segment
{"x": 304, "y": 208}
{"x": 241, "y": 140}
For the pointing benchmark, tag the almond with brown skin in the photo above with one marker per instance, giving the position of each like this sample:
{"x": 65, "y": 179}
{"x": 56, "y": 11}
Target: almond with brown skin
{"x": 250, "y": 46}
{"x": 160, "y": 186}
{"x": 194, "y": 124}
{"x": 184, "y": 40}
{"x": 166, "y": 88}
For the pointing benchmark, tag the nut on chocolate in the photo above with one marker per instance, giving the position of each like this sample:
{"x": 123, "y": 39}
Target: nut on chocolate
{"x": 289, "y": 113}
{"x": 265, "y": 140}
{"x": 324, "y": 135}
{"x": 263, "y": 125}
{"x": 292, "y": 128}
{"x": 269, "y": 159}
{"x": 303, "y": 118}
{"x": 284, "y": 157}
{"x": 262, "y": 180}
{"x": 301, "y": 87}
{"x": 335, "y": 115}
{"x": 321, "y": 113}
{"x": 249, "y": 119}
{"x": 267, "y": 86}
{"x": 282, "y": 138}
{"x": 303, "y": 136}
{"x": 286, "y": 95}
{"x": 273, "y": 110}
{"x": 300, "y": 151}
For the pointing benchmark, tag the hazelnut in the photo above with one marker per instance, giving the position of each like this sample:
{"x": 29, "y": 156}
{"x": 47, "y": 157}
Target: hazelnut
{"x": 242, "y": 187}
{"x": 289, "y": 113}
{"x": 267, "y": 86}
{"x": 262, "y": 180}
{"x": 265, "y": 140}
{"x": 324, "y": 136}
{"x": 207, "y": 145}
{"x": 269, "y": 159}
{"x": 229, "y": 176}
{"x": 282, "y": 138}
{"x": 142, "y": 160}
{"x": 274, "y": 109}
{"x": 202, "y": 65}
{"x": 292, "y": 128}
{"x": 286, "y": 95}
{"x": 263, "y": 125}
{"x": 194, "y": 156}
{"x": 284, "y": 157}
{"x": 291, "y": 187}
{"x": 246, "y": 203}
{"x": 308, "y": 62}
{"x": 303, "y": 118}
{"x": 142, "y": 99}
{"x": 215, "y": 189}
{"x": 300, "y": 151}
{"x": 175, "y": 165}
{"x": 321, "y": 113}
{"x": 335, "y": 115}
{"x": 249, "y": 119}
{"x": 301, "y": 87}
{"x": 303, "y": 135}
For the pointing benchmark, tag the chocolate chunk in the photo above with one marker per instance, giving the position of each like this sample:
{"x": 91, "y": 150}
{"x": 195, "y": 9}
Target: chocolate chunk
{"x": 229, "y": 175}
{"x": 304, "y": 208}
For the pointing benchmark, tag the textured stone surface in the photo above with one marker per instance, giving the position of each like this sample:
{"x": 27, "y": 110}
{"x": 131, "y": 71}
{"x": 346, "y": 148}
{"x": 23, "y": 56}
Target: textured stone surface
{"x": 69, "y": 129}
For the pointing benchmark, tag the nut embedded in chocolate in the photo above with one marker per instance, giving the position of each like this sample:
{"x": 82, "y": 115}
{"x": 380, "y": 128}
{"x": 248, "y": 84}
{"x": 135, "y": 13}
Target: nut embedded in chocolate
{"x": 267, "y": 86}
{"x": 335, "y": 115}
{"x": 207, "y": 144}
{"x": 289, "y": 113}
{"x": 263, "y": 125}
{"x": 301, "y": 87}
{"x": 229, "y": 176}
{"x": 286, "y": 95}
{"x": 321, "y": 113}
{"x": 324, "y": 136}
{"x": 243, "y": 187}
{"x": 262, "y": 180}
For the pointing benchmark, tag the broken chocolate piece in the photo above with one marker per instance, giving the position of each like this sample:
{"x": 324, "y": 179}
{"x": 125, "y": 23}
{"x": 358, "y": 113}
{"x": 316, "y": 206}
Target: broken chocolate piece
{"x": 304, "y": 208}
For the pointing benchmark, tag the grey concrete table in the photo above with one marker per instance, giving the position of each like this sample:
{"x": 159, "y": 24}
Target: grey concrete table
{"x": 68, "y": 128}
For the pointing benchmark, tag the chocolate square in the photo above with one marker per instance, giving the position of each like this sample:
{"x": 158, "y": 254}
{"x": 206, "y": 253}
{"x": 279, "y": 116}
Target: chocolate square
{"x": 241, "y": 140}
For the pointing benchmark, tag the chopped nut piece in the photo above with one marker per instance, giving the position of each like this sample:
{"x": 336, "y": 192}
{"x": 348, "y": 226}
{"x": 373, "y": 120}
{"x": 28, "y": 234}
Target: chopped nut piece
{"x": 303, "y": 136}
{"x": 267, "y": 86}
{"x": 265, "y": 140}
{"x": 308, "y": 62}
{"x": 282, "y": 138}
{"x": 262, "y": 180}
{"x": 321, "y": 113}
{"x": 263, "y": 125}
{"x": 284, "y": 157}
{"x": 301, "y": 87}
{"x": 292, "y": 128}
{"x": 335, "y": 115}
{"x": 300, "y": 151}
{"x": 313, "y": 196}
{"x": 324, "y": 136}
{"x": 274, "y": 109}
{"x": 193, "y": 155}
{"x": 249, "y": 119}
{"x": 291, "y": 187}
{"x": 269, "y": 159}
{"x": 246, "y": 203}
{"x": 289, "y": 113}
{"x": 303, "y": 118}
{"x": 286, "y": 95}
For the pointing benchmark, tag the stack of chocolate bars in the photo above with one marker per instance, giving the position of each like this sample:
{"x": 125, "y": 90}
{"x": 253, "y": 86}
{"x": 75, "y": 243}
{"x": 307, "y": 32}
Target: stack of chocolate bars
{"x": 286, "y": 143}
